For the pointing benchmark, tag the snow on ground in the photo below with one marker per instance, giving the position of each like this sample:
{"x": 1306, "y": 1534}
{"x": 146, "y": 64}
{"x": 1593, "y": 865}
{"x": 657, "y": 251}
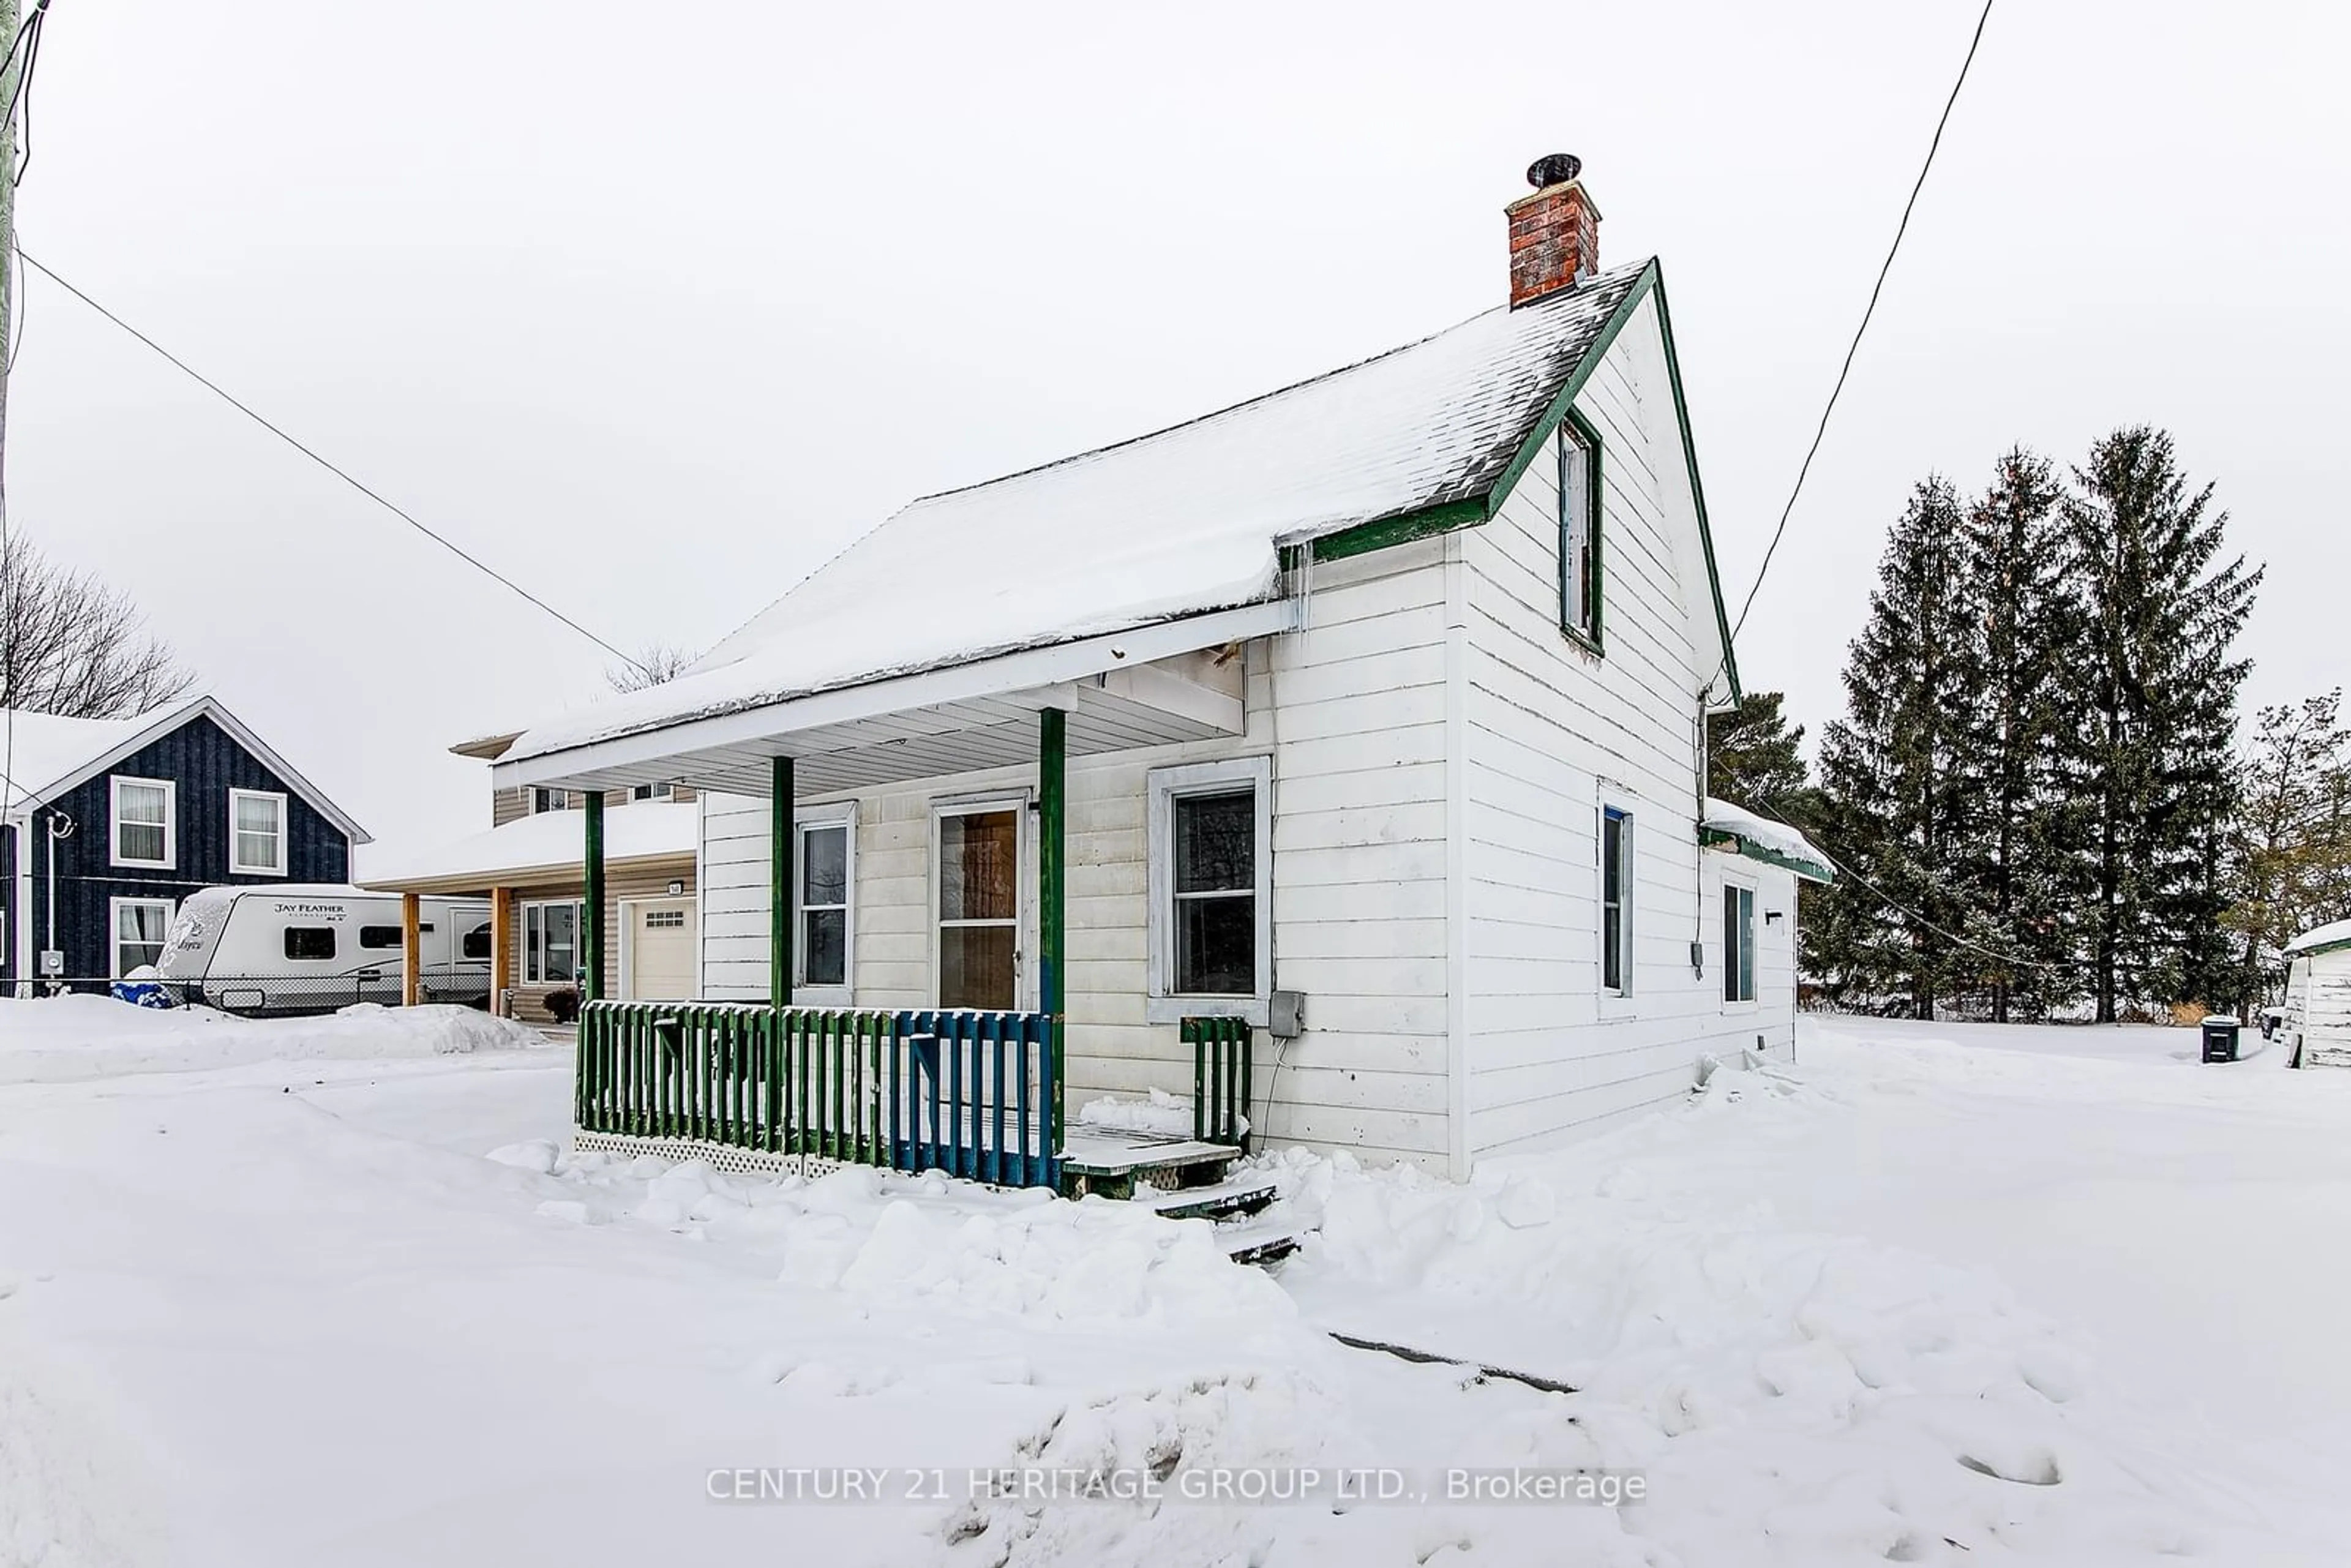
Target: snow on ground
{"x": 1912, "y": 1300}
{"x": 58, "y": 1039}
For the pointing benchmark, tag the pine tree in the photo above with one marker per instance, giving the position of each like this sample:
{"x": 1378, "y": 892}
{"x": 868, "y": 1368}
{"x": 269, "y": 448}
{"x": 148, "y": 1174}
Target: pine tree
{"x": 1896, "y": 795}
{"x": 2013, "y": 577}
{"x": 2148, "y": 766}
{"x": 1753, "y": 759}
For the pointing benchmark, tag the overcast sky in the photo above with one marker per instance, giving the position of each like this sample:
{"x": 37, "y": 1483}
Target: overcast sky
{"x": 655, "y": 307}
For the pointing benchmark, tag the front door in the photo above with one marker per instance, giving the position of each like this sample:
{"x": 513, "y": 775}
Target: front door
{"x": 977, "y": 885}
{"x": 661, "y": 949}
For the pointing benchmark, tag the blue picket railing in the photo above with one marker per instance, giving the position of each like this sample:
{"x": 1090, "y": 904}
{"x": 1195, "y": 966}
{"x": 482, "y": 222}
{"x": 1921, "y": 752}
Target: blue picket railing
{"x": 976, "y": 1094}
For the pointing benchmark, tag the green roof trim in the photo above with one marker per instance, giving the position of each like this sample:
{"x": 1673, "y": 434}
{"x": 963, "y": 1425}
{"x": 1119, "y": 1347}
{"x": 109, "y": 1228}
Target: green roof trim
{"x": 2335, "y": 947}
{"x": 1723, "y": 839}
{"x": 1426, "y": 523}
{"x": 1470, "y": 512}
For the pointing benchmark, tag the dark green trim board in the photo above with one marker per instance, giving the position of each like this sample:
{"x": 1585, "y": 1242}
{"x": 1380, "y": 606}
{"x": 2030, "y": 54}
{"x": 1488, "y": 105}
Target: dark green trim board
{"x": 780, "y": 892}
{"x": 1563, "y": 402}
{"x": 1698, "y": 490}
{"x": 1585, "y": 434}
{"x": 1426, "y": 523}
{"x": 1052, "y": 860}
{"x": 592, "y": 903}
{"x": 1721, "y": 837}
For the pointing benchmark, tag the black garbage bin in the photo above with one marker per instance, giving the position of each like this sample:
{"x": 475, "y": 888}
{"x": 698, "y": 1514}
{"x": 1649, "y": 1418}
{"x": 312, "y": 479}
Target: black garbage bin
{"x": 2219, "y": 1038}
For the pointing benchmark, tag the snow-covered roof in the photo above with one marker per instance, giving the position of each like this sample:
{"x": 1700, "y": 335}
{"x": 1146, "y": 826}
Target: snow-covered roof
{"x": 1181, "y": 522}
{"x": 43, "y": 749}
{"x": 47, "y": 755}
{"x": 2321, "y": 939}
{"x": 548, "y": 844}
{"x": 1765, "y": 840}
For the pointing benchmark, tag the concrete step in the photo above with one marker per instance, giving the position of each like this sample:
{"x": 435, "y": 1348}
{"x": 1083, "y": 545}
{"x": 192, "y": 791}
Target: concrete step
{"x": 1226, "y": 1202}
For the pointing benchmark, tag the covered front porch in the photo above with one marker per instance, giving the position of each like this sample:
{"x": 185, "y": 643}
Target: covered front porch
{"x": 975, "y": 1081}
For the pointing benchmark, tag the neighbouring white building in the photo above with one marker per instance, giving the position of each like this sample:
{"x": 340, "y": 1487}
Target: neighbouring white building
{"x": 2317, "y": 1028}
{"x": 1367, "y": 716}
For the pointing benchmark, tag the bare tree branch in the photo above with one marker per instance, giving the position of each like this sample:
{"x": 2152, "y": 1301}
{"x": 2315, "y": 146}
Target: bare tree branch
{"x": 660, "y": 663}
{"x": 71, "y": 646}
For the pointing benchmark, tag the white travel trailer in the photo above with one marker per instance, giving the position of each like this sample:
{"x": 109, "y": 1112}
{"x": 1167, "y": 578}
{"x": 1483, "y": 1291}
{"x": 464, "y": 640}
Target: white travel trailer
{"x": 311, "y": 949}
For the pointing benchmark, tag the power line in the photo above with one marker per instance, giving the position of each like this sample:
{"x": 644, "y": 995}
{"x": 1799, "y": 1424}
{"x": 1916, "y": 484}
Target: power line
{"x": 225, "y": 396}
{"x": 28, "y": 36}
{"x": 1899, "y": 908}
{"x": 1854, "y": 348}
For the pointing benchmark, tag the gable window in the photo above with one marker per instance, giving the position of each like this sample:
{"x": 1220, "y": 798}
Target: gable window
{"x": 823, "y": 860}
{"x": 1615, "y": 900}
{"x": 1210, "y": 875}
{"x": 1737, "y": 944}
{"x": 551, "y": 944}
{"x": 1578, "y": 453}
{"x": 311, "y": 944}
{"x": 145, "y": 830}
{"x": 256, "y": 833}
{"x": 139, "y": 927}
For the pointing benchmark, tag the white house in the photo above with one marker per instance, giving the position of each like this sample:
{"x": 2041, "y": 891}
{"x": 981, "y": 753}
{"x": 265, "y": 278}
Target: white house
{"x": 2317, "y": 1028}
{"x": 1385, "y": 692}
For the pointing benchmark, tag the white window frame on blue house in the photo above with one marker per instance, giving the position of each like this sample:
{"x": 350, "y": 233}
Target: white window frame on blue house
{"x": 115, "y": 822}
{"x": 237, "y": 865}
{"x": 1165, "y": 787}
{"x": 114, "y": 909}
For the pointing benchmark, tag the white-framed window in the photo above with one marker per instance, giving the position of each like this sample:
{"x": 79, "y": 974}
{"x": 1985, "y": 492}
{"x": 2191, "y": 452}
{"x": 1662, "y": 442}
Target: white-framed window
{"x": 138, "y": 928}
{"x": 545, "y": 800}
{"x": 256, "y": 833}
{"x": 145, "y": 827}
{"x": 1737, "y": 942}
{"x": 1616, "y": 900}
{"x": 1577, "y": 448}
{"x": 1210, "y": 882}
{"x": 550, "y": 943}
{"x": 824, "y": 884}
{"x": 652, "y": 791}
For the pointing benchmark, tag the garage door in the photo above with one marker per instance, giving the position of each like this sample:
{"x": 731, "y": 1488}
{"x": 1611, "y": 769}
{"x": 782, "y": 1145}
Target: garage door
{"x": 661, "y": 949}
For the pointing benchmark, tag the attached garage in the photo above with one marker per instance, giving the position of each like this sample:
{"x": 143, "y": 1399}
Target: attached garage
{"x": 658, "y": 950}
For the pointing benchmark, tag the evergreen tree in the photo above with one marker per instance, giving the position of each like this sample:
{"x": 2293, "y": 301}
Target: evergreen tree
{"x": 2012, "y": 575}
{"x": 1897, "y": 798}
{"x": 1753, "y": 759}
{"x": 2147, "y": 765}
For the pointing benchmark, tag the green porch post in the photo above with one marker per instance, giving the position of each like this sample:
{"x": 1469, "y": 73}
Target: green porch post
{"x": 779, "y": 885}
{"x": 1052, "y": 894}
{"x": 592, "y": 911}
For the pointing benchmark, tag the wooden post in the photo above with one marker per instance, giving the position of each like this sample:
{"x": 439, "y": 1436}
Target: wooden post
{"x": 592, "y": 909}
{"x": 412, "y": 949}
{"x": 1052, "y": 898}
{"x": 501, "y": 943}
{"x": 781, "y": 891}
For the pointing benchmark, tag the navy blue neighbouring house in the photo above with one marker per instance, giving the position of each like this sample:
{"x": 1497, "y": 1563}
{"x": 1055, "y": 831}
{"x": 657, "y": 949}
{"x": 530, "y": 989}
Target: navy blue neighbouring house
{"x": 112, "y": 822}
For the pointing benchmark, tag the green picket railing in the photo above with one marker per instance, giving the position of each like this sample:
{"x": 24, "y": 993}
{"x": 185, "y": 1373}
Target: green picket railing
{"x": 1220, "y": 1079}
{"x": 904, "y": 1090}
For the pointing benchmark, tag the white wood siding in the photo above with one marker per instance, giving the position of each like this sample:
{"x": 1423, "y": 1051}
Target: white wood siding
{"x": 1554, "y": 734}
{"x": 1352, "y": 711}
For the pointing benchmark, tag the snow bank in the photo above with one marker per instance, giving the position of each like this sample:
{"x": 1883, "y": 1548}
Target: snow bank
{"x": 52, "y": 1040}
{"x": 1162, "y": 1112}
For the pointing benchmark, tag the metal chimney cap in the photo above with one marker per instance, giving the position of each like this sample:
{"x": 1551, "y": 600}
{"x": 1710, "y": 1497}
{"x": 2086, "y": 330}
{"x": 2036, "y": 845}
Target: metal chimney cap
{"x": 1553, "y": 169}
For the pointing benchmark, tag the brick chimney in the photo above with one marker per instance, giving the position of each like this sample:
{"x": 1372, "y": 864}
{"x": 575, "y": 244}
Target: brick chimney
{"x": 1554, "y": 234}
